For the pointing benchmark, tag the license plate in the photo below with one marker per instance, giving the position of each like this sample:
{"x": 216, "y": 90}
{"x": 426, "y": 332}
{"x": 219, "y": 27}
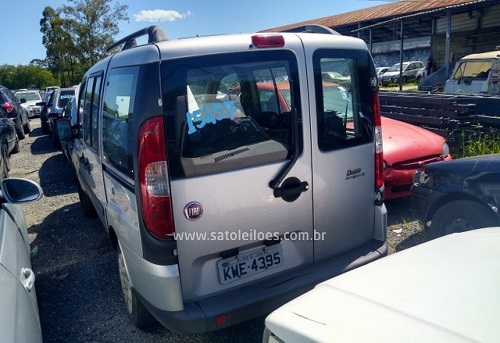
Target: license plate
{"x": 249, "y": 263}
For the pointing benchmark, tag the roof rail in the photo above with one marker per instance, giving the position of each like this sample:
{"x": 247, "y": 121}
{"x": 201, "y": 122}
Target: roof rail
{"x": 313, "y": 28}
{"x": 155, "y": 34}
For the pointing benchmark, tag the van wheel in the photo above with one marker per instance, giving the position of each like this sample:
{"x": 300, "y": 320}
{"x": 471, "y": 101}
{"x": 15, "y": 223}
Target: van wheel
{"x": 88, "y": 208}
{"x": 460, "y": 216}
{"x": 136, "y": 311}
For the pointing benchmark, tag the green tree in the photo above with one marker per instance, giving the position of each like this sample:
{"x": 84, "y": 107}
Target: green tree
{"x": 92, "y": 24}
{"x": 15, "y": 77}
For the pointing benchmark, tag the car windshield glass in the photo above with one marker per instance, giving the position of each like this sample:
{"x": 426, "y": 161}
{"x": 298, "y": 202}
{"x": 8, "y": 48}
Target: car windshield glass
{"x": 473, "y": 69}
{"x": 65, "y": 96}
{"x": 29, "y": 96}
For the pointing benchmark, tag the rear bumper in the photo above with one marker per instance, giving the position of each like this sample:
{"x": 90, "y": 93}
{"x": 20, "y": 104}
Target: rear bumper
{"x": 261, "y": 298}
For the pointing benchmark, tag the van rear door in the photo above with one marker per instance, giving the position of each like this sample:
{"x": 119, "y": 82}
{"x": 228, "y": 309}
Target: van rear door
{"x": 235, "y": 123}
{"x": 343, "y": 158}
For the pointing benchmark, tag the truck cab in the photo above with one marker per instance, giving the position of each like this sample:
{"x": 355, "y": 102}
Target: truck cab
{"x": 476, "y": 74}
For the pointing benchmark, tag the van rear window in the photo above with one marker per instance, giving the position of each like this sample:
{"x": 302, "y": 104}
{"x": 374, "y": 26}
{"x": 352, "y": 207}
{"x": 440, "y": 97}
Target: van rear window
{"x": 229, "y": 111}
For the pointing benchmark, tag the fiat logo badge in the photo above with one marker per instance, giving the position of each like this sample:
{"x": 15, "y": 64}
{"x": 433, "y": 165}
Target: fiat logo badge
{"x": 193, "y": 210}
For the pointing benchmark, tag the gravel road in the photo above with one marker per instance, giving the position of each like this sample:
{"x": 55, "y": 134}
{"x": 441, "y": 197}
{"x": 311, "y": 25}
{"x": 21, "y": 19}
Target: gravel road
{"x": 76, "y": 269}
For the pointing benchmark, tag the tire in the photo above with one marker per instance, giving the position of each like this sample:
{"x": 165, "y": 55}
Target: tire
{"x": 15, "y": 150}
{"x": 460, "y": 216}
{"x": 27, "y": 127}
{"x": 405, "y": 79}
{"x": 136, "y": 311}
{"x": 20, "y": 131}
{"x": 86, "y": 203}
{"x": 45, "y": 128}
{"x": 5, "y": 163}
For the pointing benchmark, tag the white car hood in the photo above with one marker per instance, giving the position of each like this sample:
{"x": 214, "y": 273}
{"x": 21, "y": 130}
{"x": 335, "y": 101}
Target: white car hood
{"x": 443, "y": 290}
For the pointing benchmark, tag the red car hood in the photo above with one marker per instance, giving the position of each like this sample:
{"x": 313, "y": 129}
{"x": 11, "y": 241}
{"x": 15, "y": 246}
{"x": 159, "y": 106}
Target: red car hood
{"x": 403, "y": 142}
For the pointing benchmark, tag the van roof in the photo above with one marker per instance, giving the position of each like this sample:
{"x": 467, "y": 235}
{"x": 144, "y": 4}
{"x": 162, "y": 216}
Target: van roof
{"x": 482, "y": 55}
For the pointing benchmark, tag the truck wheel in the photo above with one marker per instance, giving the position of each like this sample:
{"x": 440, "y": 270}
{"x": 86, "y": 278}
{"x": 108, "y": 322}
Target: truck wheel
{"x": 460, "y": 216}
{"x": 136, "y": 311}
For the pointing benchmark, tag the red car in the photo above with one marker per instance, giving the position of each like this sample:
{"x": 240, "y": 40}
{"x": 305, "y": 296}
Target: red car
{"x": 406, "y": 147}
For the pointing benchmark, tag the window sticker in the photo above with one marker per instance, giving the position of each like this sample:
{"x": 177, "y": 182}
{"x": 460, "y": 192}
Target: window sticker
{"x": 210, "y": 113}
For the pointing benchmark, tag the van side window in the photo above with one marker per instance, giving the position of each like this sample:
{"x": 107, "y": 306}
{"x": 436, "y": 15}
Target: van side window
{"x": 118, "y": 111}
{"x": 228, "y": 112}
{"x": 339, "y": 102}
{"x": 90, "y": 105}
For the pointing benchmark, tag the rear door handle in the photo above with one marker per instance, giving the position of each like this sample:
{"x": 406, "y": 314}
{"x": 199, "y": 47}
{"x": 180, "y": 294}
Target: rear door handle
{"x": 291, "y": 189}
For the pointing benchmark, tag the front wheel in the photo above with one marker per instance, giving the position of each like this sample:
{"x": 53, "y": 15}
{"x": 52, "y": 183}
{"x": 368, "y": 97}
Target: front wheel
{"x": 136, "y": 311}
{"x": 460, "y": 216}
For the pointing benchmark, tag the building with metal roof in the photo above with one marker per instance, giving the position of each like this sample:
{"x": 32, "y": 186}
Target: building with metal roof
{"x": 445, "y": 30}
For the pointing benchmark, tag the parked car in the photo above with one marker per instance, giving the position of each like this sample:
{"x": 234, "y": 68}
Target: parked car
{"x": 8, "y": 134}
{"x": 445, "y": 290}
{"x": 475, "y": 74}
{"x": 52, "y": 111}
{"x": 381, "y": 71}
{"x": 70, "y": 112}
{"x": 458, "y": 195}
{"x": 19, "y": 317}
{"x": 165, "y": 152}
{"x": 406, "y": 147}
{"x": 409, "y": 72}
{"x": 15, "y": 111}
{"x": 29, "y": 100}
{"x": 435, "y": 82}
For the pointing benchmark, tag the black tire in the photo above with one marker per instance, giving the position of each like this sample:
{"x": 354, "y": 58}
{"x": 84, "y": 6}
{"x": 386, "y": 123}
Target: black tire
{"x": 405, "y": 79}
{"x": 5, "y": 167}
{"x": 15, "y": 150}
{"x": 45, "y": 128}
{"x": 138, "y": 314}
{"x": 86, "y": 203}
{"x": 20, "y": 131}
{"x": 460, "y": 216}
{"x": 27, "y": 127}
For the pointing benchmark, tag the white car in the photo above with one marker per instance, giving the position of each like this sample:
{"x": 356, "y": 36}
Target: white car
{"x": 444, "y": 290}
{"x": 19, "y": 318}
{"x": 31, "y": 98}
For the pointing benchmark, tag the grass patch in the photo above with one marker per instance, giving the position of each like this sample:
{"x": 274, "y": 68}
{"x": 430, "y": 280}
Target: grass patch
{"x": 482, "y": 144}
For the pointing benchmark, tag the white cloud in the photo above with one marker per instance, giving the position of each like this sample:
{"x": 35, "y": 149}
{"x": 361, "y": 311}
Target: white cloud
{"x": 159, "y": 15}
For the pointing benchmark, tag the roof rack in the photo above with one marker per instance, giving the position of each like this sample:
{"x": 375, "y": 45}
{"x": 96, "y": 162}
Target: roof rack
{"x": 313, "y": 28}
{"x": 155, "y": 34}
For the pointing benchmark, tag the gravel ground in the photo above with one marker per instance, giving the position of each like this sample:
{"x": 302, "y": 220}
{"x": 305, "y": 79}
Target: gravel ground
{"x": 76, "y": 270}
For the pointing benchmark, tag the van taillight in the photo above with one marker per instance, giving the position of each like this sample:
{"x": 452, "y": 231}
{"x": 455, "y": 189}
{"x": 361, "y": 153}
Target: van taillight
{"x": 156, "y": 202}
{"x": 8, "y": 107}
{"x": 268, "y": 40}
{"x": 379, "y": 158}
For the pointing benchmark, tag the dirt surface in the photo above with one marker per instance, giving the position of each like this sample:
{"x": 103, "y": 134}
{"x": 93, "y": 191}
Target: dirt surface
{"x": 76, "y": 270}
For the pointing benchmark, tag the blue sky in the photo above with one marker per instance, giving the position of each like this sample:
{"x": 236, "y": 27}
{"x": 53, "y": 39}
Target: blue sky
{"x": 22, "y": 39}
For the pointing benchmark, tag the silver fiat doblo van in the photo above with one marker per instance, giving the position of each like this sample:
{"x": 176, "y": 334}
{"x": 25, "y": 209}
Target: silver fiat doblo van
{"x": 230, "y": 175}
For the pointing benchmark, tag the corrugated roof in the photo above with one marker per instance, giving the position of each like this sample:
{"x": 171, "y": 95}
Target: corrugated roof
{"x": 381, "y": 12}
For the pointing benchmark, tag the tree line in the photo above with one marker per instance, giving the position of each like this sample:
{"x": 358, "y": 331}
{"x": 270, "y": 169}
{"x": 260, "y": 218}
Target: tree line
{"x": 75, "y": 37}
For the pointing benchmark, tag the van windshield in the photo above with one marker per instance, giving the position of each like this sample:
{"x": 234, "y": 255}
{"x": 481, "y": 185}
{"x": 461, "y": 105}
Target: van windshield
{"x": 472, "y": 69}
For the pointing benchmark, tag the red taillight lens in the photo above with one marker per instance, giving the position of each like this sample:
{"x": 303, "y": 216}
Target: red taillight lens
{"x": 153, "y": 175}
{"x": 268, "y": 41}
{"x": 379, "y": 158}
{"x": 8, "y": 107}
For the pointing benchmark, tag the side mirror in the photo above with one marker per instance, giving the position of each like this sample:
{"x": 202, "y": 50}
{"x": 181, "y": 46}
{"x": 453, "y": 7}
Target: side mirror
{"x": 22, "y": 100}
{"x": 42, "y": 104}
{"x": 64, "y": 130}
{"x": 17, "y": 191}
